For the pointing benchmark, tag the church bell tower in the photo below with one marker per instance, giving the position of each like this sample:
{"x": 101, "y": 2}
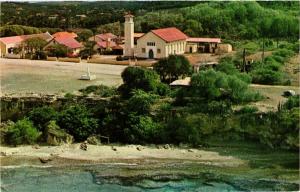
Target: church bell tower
{"x": 129, "y": 36}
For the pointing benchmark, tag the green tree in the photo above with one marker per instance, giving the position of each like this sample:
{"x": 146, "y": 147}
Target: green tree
{"x": 88, "y": 50}
{"x": 57, "y": 50}
{"x": 34, "y": 44}
{"x": 78, "y": 122}
{"x": 141, "y": 102}
{"x": 41, "y": 116}
{"x": 22, "y": 132}
{"x": 138, "y": 78}
{"x": 84, "y": 35}
{"x": 172, "y": 68}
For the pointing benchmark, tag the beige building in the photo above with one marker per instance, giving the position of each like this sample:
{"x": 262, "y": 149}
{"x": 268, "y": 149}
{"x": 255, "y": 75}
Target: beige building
{"x": 161, "y": 43}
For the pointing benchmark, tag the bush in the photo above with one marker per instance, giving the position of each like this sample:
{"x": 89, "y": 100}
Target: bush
{"x": 292, "y": 102}
{"x": 78, "y": 121}
{"x": 39, "y": 55}
{"x": 172, "y": 68}
{"x": 266, "y": 76}
{"x": 141, "y": 102}
{"x": 41, "y": 116}
{"x": 22, "y": 132}
{"x": 101, "y": 90}
{"x": 138, "y": 78}
{"x": 142, "y": 129}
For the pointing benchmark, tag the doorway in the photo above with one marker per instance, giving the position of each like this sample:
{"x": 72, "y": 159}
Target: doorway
{"x": 151, "y": 54}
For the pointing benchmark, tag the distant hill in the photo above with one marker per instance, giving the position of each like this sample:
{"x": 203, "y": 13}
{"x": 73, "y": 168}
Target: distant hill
{"x": 229, "y": 20}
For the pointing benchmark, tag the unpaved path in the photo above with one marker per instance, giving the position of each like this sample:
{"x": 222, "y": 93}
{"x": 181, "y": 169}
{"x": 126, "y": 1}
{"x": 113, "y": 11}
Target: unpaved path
{"x": 23, "y": 76}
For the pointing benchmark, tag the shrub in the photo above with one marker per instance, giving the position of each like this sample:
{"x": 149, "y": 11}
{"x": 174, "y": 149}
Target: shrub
{"x": 266, "y": 76}
{"x": 138, "y": 78}
{"x": 247, "y": 109}
{"x": 292, "y": 102}
{"x": 41, "y": 116}
{"x": 39, "y": 55}
{"x": 101, "y": 90}
{"x": 172, "y": 68}
{"x": 285, "y": 53}
{"x": 77, "y": 121}
{"x": 22, "y": 132}
{"x": 142, "y": 129}
{"x": 141, "y": 102}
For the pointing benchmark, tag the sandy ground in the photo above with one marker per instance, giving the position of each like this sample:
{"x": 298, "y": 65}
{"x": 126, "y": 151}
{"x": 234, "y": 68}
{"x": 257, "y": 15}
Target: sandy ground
{"x": 273, "y": 94}
{"x": 25, "y": 76}
{"x": 105, "y": 153}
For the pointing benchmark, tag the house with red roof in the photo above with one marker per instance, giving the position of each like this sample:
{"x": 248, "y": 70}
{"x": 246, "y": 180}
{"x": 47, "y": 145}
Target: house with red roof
{"x": 8, "y": 44}
{"x": 68, "y": 40}
{"x": 65, "y": 34}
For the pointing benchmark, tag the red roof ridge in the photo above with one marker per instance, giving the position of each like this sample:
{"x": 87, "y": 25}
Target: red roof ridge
{"x": 170, "y": 34}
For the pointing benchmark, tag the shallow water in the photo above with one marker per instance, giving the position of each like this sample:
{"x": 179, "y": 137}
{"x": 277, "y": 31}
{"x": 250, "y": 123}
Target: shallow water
{"x": 54, "y": 180}
{"x": 102, "y": 178}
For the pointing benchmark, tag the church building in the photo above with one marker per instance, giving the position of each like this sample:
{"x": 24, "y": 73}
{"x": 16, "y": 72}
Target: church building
{"x": 160, "y": 43}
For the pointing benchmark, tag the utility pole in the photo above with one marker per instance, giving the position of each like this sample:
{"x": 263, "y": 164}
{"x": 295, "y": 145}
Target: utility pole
{"x": 263, "y": 51}
{"x": 244, "y": 60}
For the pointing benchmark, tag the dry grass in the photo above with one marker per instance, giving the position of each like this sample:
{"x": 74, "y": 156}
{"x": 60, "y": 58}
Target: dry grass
{"x": 290, "y": 66}
{"x": 66, "y": 59}
{"x": 273, "y": 96}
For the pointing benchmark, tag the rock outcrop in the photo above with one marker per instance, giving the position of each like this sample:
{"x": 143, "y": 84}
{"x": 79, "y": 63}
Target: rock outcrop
{"x": 56, "y": 136}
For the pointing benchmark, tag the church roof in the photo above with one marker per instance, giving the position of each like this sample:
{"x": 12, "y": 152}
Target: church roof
{"x": 170, "y": 34}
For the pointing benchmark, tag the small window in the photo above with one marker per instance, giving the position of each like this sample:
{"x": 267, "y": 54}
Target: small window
{"x": 158, "y": 51}
{"x": 143, "y": 50}
{"x": 150, "y": 43}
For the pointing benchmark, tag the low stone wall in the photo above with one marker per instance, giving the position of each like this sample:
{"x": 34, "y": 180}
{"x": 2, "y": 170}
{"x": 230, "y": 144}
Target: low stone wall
{"x": 13, "y": 56}
{"x": 66, "y": 59}
{"x": 51, "y": 58}
{"x": 142, "y": 63}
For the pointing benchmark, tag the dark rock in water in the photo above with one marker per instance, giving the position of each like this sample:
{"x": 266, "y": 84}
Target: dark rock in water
{"x": 139, "y": 148}
{"x": 166, "y": 146}
{"x": 113, "y": 148}
{"x": 2, "y": 153}
{"x": 45, "y": 159}
{"x": 83, "y": 146}
{"x": 36, "y": 147}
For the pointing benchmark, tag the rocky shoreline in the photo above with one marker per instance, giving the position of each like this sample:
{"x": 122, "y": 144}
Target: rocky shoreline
{"x": 95, "y": 154}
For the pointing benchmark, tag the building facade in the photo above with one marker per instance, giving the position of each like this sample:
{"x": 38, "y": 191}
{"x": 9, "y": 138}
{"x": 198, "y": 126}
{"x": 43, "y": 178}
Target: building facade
{"x": 161, "y": 43}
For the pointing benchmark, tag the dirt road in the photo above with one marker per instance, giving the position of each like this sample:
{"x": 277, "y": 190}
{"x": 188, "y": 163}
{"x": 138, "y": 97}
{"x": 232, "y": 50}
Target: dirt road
{"x": 24, "y": 76}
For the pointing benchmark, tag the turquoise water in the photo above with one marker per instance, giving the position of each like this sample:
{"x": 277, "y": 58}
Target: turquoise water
{"x": 49, "y": 180}
{"x": 95, "y": 179}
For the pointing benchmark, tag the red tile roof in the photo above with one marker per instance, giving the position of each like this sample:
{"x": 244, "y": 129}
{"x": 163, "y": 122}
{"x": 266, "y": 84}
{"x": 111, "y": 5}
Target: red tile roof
{"x": 204, "y": 40}
{"x": 103, "y": 44}
{"x": 68, "y": 42}
{"x": 105, "y": 36}
{"x": 170, "y": 34}
{"x": 65, "y": 34}
{"x": 18, "y": 39}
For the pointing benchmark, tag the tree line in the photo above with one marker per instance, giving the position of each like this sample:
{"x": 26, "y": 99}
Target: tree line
{"x": 228, "y": 20}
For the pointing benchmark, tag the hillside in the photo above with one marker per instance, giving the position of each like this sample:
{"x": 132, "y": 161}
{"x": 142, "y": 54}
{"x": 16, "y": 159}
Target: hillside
{"x": 229, "y": 20}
